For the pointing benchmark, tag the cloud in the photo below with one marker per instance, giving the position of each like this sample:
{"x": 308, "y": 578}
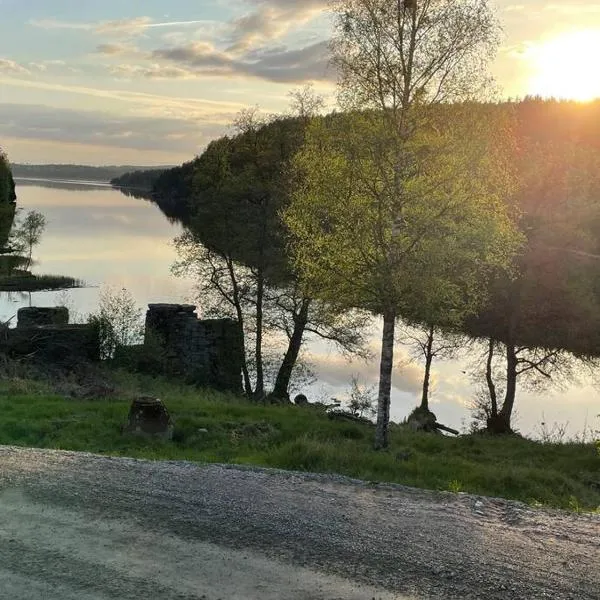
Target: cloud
{"x": 12, "y": 67}
{"x": 123, "y": 27}
{"x": 38, "y": 66}
{"x": 114, "y": 49}
{"x": 57, "y": 24}
{"x": 219, "y": 111}
{"x": 151, "y": 72}
{"x": 280, "y": 65}
{"x": 270, "y": 20}
{"x": 573, "y": 8}
{"x": 336, "y": 371}
{"x": 242, "y": 47}
{"x": 168, "y": 134}
{"x": 117, "y": 28}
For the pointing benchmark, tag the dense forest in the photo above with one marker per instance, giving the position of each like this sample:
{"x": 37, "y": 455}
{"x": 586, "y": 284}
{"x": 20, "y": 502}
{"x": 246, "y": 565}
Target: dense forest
{"x": 536, "y": 316}
{"x": 76, "y": 172}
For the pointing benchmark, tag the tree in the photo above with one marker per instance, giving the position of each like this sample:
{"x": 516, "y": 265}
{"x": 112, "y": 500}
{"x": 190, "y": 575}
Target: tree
{"x": 378, "y": 199}
{"x": 29, "y": 233}
{"x": 227, "y": 288}
{"x": 429, "y": 342}
{"x": 360, "y": 399}
{"x": 235, "y": 247}
{"x": 549, "y": 308}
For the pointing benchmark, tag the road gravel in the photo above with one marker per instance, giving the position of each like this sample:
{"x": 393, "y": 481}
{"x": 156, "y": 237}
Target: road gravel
{"x": 85, "y": 527}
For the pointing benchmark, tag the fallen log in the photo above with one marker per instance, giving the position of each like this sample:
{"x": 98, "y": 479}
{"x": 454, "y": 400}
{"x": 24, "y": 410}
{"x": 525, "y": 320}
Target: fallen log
{"x": 445, "y": 428}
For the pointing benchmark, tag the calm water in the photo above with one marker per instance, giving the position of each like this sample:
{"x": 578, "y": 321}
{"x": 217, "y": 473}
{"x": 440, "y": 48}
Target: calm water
{"x": 97, "y": 234}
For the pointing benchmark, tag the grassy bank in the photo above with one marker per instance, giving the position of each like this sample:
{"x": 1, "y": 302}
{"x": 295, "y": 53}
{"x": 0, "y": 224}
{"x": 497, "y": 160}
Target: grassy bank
{"x": 290, "y": 437}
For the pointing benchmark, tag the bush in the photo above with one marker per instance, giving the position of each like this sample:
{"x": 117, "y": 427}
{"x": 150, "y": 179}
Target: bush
{"x": 119, "y": 321}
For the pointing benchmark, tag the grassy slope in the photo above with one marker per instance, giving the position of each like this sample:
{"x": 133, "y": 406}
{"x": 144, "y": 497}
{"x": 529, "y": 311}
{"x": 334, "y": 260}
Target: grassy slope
{"x": 289, "y": 437}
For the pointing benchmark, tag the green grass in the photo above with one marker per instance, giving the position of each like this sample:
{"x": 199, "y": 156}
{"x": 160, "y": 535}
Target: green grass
{"x": 289, "y": 437}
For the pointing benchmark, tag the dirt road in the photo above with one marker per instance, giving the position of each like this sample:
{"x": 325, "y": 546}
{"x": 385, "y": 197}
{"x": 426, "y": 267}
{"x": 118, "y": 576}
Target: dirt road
{"x": 77, "y": 526}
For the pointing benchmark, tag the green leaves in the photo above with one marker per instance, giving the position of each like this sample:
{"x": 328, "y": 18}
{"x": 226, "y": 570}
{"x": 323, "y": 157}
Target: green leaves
{"x": 378, "y": 221}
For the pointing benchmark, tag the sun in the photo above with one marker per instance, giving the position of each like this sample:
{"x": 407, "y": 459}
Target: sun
{"x": 567, "y": 66}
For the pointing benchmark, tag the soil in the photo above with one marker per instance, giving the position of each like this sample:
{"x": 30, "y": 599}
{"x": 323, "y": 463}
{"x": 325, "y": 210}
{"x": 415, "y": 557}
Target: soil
{"x": 79, "y": 526}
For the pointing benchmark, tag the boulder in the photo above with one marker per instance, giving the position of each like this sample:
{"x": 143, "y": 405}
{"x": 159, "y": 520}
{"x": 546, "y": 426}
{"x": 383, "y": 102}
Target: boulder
{"x": 301, "y": 400}
{"x": 148, "y": 416}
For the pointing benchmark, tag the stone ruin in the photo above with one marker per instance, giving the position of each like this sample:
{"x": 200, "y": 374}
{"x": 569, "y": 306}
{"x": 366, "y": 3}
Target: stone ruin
{"x": 45, "y": 335}
{"x": 207, "y": 353}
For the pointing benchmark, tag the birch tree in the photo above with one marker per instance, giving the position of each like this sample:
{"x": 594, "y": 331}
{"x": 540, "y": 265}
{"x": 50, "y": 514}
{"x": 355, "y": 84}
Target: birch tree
{"x": 392, "y": 196}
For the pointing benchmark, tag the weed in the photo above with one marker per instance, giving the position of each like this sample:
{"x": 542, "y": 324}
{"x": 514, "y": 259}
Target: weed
{"x": 455, "y": 486}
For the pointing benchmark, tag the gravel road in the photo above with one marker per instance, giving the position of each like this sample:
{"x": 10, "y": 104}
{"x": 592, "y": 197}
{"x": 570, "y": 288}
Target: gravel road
{"x": 78, "y": 526}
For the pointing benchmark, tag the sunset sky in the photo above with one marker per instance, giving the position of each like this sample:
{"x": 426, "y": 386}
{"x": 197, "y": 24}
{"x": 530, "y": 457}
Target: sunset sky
{"x": 151, "y": 82}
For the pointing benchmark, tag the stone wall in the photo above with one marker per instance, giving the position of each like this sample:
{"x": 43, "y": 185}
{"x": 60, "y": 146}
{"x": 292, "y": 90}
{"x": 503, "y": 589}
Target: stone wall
{"x": 36, "y": 316}
{"x": 204, "y": 352}
{"x": 176, "y": 343}
{"x": 44, "y": 334}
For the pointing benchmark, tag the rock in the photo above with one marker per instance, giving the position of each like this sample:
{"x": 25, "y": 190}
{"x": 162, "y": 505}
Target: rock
{"x": 301, "y": 400}
{"x": 422, "y": 420}
{"x": 148, "y": 416}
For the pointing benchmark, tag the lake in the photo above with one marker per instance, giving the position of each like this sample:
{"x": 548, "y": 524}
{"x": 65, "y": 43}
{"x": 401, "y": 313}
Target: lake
{"x": 105, "y": 238}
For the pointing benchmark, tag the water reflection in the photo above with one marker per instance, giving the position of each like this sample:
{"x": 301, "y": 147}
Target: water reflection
{"x": 60, "y": 184}
{"x": 96, "y": 234}
{"x": 102, "y": 236}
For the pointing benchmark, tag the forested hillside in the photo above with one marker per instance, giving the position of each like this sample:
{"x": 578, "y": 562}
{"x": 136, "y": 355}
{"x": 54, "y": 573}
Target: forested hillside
{"x": 535, "y": 317}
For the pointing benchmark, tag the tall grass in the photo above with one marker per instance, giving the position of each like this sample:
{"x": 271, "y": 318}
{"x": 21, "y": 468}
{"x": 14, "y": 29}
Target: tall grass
{"x": 214, "y": 427}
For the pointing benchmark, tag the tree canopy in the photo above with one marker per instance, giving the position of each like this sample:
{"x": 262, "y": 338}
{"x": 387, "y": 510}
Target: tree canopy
{"x": 546, "y": 154}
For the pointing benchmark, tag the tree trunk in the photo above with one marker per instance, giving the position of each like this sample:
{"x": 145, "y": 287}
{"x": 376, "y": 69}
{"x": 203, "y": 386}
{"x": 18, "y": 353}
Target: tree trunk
{"x": 427, "y": 376}
{"x": 385, "y": 380}
{"x": 505, "y": 413}
{"x": 259, "y": 390}
{"x": 29, "y": 257}
{"x": 282, "y": 383}
{"x": 499, "y": 423}
{"x": 240, "y": 317}
{"x": 490, "y": 381}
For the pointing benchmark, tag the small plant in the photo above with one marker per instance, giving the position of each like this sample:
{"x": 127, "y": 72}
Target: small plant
{"x": 119, "y": 321}
{"x": 361, "y": 399}
{"x": 455, "y": 486}
{"x": 552, "y": 434}
{"x": 575, "y": 505}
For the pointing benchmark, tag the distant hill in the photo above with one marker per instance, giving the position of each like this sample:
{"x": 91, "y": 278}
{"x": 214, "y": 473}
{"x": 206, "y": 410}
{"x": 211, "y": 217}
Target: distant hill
{"x": 76, "y": 172}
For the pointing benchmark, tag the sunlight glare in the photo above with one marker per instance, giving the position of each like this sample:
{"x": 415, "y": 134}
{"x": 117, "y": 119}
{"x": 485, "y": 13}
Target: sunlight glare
{"x": 568, "y": 67}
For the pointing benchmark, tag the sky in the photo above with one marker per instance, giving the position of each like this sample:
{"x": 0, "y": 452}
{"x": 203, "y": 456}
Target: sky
{"x": 152, "y": 82}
